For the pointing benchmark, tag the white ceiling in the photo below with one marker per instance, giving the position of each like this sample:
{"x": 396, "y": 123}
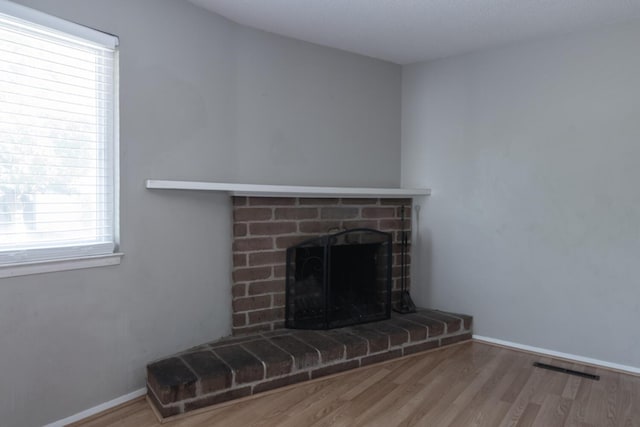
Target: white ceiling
{"x": 407, "y": 31}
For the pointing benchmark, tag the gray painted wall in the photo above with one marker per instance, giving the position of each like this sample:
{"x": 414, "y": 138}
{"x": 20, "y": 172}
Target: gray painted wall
{"x": 534, "y": 223}
{"x": 204, "y": 99}
{"x": 312, "y": 115}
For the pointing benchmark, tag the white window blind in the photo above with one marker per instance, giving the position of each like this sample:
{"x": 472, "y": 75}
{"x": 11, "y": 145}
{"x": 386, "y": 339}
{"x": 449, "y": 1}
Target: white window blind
{"x": 58, "y": 112}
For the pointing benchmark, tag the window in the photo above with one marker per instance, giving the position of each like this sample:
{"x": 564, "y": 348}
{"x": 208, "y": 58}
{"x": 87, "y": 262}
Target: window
{"x": 58, "y": 138}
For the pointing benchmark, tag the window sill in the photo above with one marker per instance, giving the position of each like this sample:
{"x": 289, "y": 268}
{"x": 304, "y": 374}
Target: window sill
{"x": 39, "y": 267}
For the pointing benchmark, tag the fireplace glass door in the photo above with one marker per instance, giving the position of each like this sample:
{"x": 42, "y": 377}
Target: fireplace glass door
{"x": 339, "y": 280}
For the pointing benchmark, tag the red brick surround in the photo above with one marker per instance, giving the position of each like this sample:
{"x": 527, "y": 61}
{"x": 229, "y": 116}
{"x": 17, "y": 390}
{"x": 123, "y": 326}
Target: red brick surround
{"x": 264, "y": 227}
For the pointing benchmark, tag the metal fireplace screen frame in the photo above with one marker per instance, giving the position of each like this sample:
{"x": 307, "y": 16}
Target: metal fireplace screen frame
{"x": 339, "y": 280}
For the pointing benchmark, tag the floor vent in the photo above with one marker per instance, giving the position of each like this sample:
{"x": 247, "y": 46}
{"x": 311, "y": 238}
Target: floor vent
{"x": 566, "y": 371}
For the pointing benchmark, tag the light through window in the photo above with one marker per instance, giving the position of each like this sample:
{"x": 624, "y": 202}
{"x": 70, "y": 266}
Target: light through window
{"x": 58, "y": 111}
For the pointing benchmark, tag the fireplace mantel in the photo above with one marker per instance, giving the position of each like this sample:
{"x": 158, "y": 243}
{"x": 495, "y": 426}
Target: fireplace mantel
{"x": 257, "y": 190}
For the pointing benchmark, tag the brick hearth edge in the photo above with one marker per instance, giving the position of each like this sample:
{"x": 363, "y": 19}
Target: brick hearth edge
{"x": 236, "y": 367}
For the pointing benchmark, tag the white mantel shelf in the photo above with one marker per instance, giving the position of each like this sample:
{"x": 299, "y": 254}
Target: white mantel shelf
{"x": 256, "y": 190}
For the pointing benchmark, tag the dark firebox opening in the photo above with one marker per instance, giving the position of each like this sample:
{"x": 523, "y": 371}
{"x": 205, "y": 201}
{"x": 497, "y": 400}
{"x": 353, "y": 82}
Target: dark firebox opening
{"x": 339, "y": 280}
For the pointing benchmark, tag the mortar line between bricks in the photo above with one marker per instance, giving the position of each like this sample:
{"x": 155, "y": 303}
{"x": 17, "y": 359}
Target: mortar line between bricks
{"x": 198, "y": 384}
{"x": 407, "y": 331}
{"x": 414, "y": 322}
{"x": 257, "y": 324}
{"x": 365, "y": 339}
{"x": 309, "y": 345}
{"x": 454, "y": 316}
{"x": 293, "y": 358}
{"x": 344, "y": 346}
{"x": 233, "y": 372}
{"x": 446, "y": 325}
{"x": 264, "y": 365}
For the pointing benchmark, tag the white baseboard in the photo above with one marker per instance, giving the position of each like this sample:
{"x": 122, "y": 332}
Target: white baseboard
{"x": 571, "y": 357}
{"x": 99, "y": 408}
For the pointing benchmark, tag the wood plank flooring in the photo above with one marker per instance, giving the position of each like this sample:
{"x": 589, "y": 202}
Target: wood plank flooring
{"x": 471, "y": 384}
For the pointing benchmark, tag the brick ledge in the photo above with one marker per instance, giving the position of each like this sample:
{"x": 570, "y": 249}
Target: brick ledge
{"x": 227, "y": 369}
{"x": 221, "y": 405}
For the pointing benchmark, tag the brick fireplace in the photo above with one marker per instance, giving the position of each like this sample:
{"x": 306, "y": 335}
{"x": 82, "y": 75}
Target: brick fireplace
{"x": 264, "y": 227}
{"x": 263, "y": 355}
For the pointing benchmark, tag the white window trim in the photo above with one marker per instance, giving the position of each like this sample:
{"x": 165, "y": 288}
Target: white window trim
{"x": 39, "y": 267}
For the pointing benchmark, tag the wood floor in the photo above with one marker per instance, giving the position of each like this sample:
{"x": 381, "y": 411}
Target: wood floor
{"x": 471, "y": 384}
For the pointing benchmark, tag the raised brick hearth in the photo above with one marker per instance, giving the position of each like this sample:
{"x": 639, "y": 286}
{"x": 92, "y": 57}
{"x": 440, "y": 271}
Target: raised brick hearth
{"x": 264, "y": 227}
{"x": 236, "y": 367}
